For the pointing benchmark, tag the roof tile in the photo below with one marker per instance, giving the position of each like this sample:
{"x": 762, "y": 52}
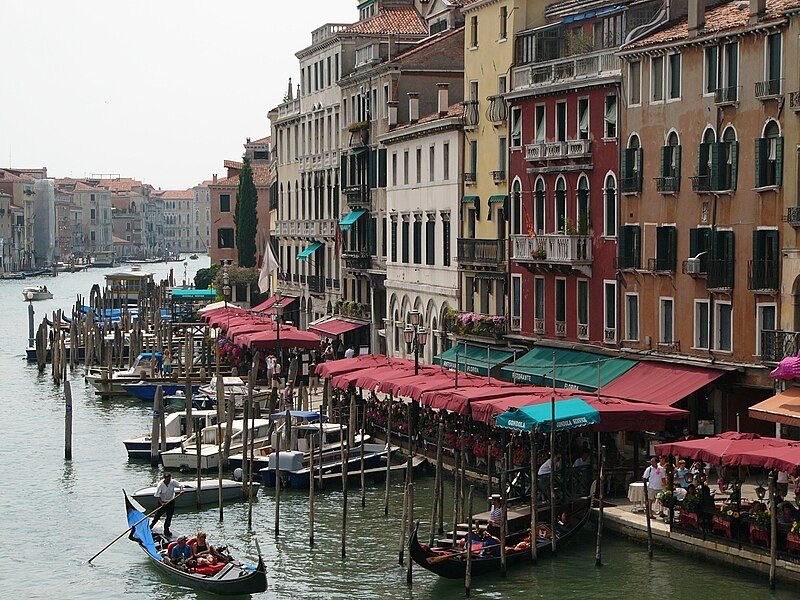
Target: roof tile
{"x": 394, "y": 19}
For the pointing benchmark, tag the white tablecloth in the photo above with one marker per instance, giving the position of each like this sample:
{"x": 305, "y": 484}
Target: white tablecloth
{"x": 636, "y": 493}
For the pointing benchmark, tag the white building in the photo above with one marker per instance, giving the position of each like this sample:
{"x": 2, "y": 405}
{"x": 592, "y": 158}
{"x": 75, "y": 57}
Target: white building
{"x": 423, "y": 200}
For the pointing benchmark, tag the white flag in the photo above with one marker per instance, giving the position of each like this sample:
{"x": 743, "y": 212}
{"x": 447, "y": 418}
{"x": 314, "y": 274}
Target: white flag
{"x": 268, "y": 265}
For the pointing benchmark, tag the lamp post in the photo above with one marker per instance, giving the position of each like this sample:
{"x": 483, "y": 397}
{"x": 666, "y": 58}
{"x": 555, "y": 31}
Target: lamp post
{"x": 226, "y": 288}
{"x": 278, "y": 308}
{"x": 416, "y": 336}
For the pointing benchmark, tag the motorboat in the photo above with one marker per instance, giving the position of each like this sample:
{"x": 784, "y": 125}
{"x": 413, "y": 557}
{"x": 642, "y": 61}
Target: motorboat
{"x": 209, "y": 493}
{"x": 185, "y": 456}
{"x": 36, "y": 292}
{"x": 146, "y": 366}
{"x": 193, "y": 257}
{"x": 176, "y": 428}
{"x": 144, "y": 390}
{"x": 236, "y": 387}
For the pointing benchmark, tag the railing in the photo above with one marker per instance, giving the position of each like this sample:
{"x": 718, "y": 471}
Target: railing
{"x": 498, "y": 176}
{"x": 769, "y": 88}
{"x": 487, "y": 252}
{"x": 762, "y": 274}
{"x": 630, "y": 185}
{"x": 701, "y": 183}
{"x": 583, "y": 331}
{"x": 307, "y": 228}
{"x": 552, "y": 248}
{"x": 793, "y": 216}
{"x": 660, "y": 264}
{"x": 367, "y": 54}
{"x": 288, "y": 108}
{"x": 777, "y": 344}
{"x": 470, "y": 113}
{"x": 538, "y": 325}
{"x": 356, "y": 194}
{"x": 316, "y": 284}
{"x": 558, "y": 150}
{"x": 667, "y": 185}
{"x": 325, "y": 31}
{"x": 516, "y": 323}
{"x": 561, "y": 328}
{"x": 358, "y": 260}
{"x": 726, "y": 95}
{"x": 720, "y": 273}
{"x": 580, "y": 68}
{"x": 470, "y": 177}
{"x": 610, "y": 335}
{"x": 794, "y": 101}
{"x": 497, "y": 112}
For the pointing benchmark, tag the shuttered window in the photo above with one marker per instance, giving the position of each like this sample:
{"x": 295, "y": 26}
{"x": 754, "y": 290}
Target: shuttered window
{"x": 446, "y": 242}
{"x": 769, "y": 161}
{"x": 394, "y": 241}
{"x": 406, "y": 240}
{"x": 430, "y": 242}
{"x": 764, "y": 267}
{"x": 722, "y": 260}
{"x": 666, "y": 248}
{"x": 629, "y": 247}
{"x": 417, "y": 241}
{"x": 699, "y": 240}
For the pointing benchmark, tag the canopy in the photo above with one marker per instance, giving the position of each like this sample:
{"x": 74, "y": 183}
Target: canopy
{"x": 497, "y": 198}
{"x": 219, "y": 316}
{"x": 472, "y": 359}
{"x": 458, "y": 399}
{"x": 251, "y": 327}
{"x": 782, "y": 458}
{"x": 368, "y": 379}
{"x": 267, "y": 304}
{"x": 471, "y": 200}
{"x": 216, "y": 305}
{"x": 660, "y": 383}
{"x": 486, "y": 409}
{"x": 313, "y": 247}
{"x": 193, "y": 294}
{"x": 335, "y": 327}
{"x": 569, "y": 414}
{"x": 332, "y": 368}
{"x": 781, "y": 408}
{"x": 350, "y": 218}
{"x": 430, "y": 379}
{"x": 574, "y": 369}
{"x": 291, "y": 337}
{"x": 715, "y": 449}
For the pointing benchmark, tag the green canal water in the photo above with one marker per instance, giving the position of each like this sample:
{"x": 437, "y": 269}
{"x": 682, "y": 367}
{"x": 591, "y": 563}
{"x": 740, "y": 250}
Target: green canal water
{"x": 54, "y": 514}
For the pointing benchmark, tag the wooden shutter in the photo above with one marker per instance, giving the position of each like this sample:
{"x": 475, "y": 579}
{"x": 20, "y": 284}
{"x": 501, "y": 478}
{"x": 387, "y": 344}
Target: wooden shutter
{"x": 676, "y": 159}
{"x": 779, "y": 161}
{"x": 624, "y": 167}
{"x": 734, "y": 164}
{"x": 373, "y": 168}
{"x": 344, "y": 179}
{"x": 666, "y": 158}
{"x": 382, "y": 167}
{"x": 699, "y": 242}
{"x": 729, "y": 256}
{"x": 761, "y": 150}
{"x": 666, "y": 249}
{"x": 639, "y": 153}
{"x": 672, "y": 247}
{"x": 372, "y": 227}
{"x": 702, "y": 159}
{"x": 622, "y": 248}
{"x": 717, "y": 156}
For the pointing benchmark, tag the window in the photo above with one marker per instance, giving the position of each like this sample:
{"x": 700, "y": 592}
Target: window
{"x": 516, "y": 302}
{"x": 656, "y": 79}
{"x": 394, "y": 169}
{"x": 611, "y": 116}
{"x": 631, "y": 167}
{"x": 92, "y": 214}
{"x": 701, "y": 324}
{"x": 766, "y": 320}
{"x": 430, "y": 240}
{"x": 699, "y": 245}
{"x": 541, "y": 127}
{"x": 629, "y": 247}
{"x": 516, "y": 127}
{"x": 473, "y": 90}
{"x": 502, "y": 151}
{"x": 610, "y": 212}
{"x": 469, "y": 293}
{"x": 446, "y": 240}
{"x": 446, "y": 161}
{"x": 769, "y": 157}
{"x": 773, "y": 65}
{"x": 610, "y": 306}
{"x": 538, "y": 298}
{"x": 729, "y": 154}
{"x": 419, "y": 165}
{"x": 432, "y": 163}
{"x": 666, "y": 320}
{"x": 502, "y": 84}
{"x": 583, "y": 118}
{"x": 405, "y": 167}
{"x": 417, "y": 240}
{"x": 711, "y": 66}
{"x": 674, "y": 76}
{"x": 561, "y": 306}
{"x": 538, "y": 207}
{"x": 473, "y": 159}
{"x": 225, "y": 237}
{"x": 561, "y": 205}
{"x": 406, "y": 232}
{"x": 224, "y": 203}
{"x": 583, "y": 308}
{"x": 666, "y": 248}
{"x": 561, "y": 122}
{"x": 632, "y": 317}
{"x": 385, "y": 99}
{"x": 731, "y": 72}
{"x": 328, "y": 69}
{"x": 764, "y": 267}
{"x": 582, "y": 194}
{"x": 723, "y": 318}
{"x": 721, "y": 260}
{"x": 634, "y": 83}
{"x": 669, "y": 182}
{"x": 473, "y": 32}
{"x": 516, "y": 207}
{"x": 503, "y": 22}
{"x": 394, "y": 240}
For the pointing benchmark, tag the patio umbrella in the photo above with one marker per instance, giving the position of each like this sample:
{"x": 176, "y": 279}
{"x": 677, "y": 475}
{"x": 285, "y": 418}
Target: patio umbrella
{"x": 715, "y": 449}
{"x": 782, "y": 458}
{"x": 291, "y": 337}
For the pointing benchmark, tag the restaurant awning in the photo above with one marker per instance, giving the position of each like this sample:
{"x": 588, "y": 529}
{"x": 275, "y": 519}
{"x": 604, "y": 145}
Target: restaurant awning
{"x": 783, "y": 458}
{"x": 574, "y": 369}
{"x": 781, "y": 408}
{"x": 332, "y": 368}
{"x": 350, "y": 218}
{"x": 303, "y": 255}
{"x": 459, "y": 399}
{"x": 571, "y": 413}
{"x": 715, "y": 449}
{"x": 660, "y": 383}
{"x": 335, "y": 327}
{"x": 267, "y": 304}
{"x": 192, "y": 294}
{"x": 476, "y": 360}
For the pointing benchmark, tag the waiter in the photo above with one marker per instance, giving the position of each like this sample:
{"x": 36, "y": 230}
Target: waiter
{"x": 165, "y": 496}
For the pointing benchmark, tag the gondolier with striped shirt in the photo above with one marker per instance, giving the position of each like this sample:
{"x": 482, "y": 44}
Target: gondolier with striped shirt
{"x": 165, "y": 495}
{"x": 495, "y": 515}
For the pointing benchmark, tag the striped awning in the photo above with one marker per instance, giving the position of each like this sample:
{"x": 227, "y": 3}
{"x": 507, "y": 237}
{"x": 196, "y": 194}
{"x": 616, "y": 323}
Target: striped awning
{"x": 497, "y": 199}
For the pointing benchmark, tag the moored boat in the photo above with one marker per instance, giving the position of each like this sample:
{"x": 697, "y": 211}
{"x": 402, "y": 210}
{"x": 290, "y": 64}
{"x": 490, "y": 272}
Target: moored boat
{"x": 36, "y": 292}
{"x": 144, "y": 390}
{"x": 185, "y": 457}
{"x": 175, "y": 425}
{"x": 209, "y": 493}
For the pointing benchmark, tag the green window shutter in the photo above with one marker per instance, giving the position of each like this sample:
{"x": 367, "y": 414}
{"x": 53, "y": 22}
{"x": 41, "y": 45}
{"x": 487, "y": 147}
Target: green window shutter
{"x": 373, "y": 168}
{"x": 636, "y": 246}
{"x": 729, "y": 258}
{"x": 666, "y": 158}
{"x": 702, "y": 160}
{"x": 639, "y": 153}
{"x": 672, "y": 248}
{"x": 734, "y": 164}
{"x": 717, "y": 156}
{"x": 622, "y": 247}
{"x": 676, "y": 159}
{"x": 694, "y": 242}
{"x": 344, "y": 179}
{"x": 779, "y": 161}
{"x": 761, "y": 148}
{"x": 372, "y": 226}
{"x": 623, "y": 167}
{"x": 758, "y": 241}
{"x": 382, "y": 168}
{"x": 662, "y": 245}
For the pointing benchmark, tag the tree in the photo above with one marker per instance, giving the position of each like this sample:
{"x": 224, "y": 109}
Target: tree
{"x": 205, "y": 277}
{"x": 246, "y": 216}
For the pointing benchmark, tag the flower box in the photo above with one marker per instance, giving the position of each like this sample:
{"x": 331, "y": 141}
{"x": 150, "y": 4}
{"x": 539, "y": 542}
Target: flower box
{"x": 758, "y": 535}
{"x": 723, "y": 524}
{"x": 690, "y": 520}
{"x": 793, "y": 542}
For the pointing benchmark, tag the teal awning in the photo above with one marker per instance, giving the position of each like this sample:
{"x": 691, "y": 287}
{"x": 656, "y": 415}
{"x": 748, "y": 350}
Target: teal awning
{"x": 309, "y": 251}
{"x": 497, "y": 198}
{"x": 570, "y": 414}
{"x": 471, "y": 200}
{"x": 574, "y": 369}
{"x": 188, "y": 294}
{"x": 476, "y": 360}
{"x": 350, "y": 218}
{"x": 358, "y": 151}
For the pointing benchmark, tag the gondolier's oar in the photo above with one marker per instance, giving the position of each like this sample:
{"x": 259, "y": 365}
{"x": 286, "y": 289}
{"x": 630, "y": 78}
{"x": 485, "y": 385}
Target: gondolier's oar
{"x": 119, "y": 537}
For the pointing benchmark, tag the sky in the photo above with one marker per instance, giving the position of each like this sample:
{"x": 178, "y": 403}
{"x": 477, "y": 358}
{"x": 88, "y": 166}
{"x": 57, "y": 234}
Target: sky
{"x": 159, "y": 90}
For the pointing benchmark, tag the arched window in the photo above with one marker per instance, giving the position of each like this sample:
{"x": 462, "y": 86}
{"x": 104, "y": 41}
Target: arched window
{"x": 434, "y": 338}
{"x": 670, "y": 179}
{"x": 583, "y": 205}
{"x": 705, "y": 180}
{"x": 610, "y": 225}
{"x": 730, "y": 156}
{"x": 632, "y": 161}
{"x": 538, "y": 207}
{"x": 397, "y": 332}
{"x": 769, "y": 156}
{"x": 561, "y": 205}
{"x": 516, "y": 207}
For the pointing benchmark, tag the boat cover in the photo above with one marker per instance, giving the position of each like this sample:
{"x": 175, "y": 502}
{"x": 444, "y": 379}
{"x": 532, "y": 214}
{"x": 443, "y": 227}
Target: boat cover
{"x": 142, "y": 533}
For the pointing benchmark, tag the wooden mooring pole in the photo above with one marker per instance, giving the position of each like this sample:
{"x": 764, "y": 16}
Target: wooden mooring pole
{"x": 278, "y": 484}
{"x": 598, "y": 554}
{"x": 437, "y": 482}
{"x": 311, "y": 477}
{"x": 67, "y": 421}
{"x": 198, "y": 448}
{"x": 534, "y": 497}
{"x": 345, "y": 454}
{"x": 468, "y": 543}
{"x": 388, "y": 455}
{"x": 409, "y": 574}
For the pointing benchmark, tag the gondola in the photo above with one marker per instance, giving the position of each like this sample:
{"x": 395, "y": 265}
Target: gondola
{"x": 453, "y": 565}
{"x": 235, "y": 578}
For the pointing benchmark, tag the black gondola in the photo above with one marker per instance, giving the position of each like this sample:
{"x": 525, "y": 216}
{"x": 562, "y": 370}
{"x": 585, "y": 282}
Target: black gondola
{"x": 236, "y": 578}
{"x": 453, "y": 565}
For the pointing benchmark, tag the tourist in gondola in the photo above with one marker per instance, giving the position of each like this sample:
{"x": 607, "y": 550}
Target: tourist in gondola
{"x": 165, "y": 495}
{"x": 205, "y": 552}
{"x": 493, "y": 526}
{"x": 181, "y": 554}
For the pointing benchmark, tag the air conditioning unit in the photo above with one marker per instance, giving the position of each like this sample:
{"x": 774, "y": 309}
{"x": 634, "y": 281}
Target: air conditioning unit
{"x": 693, "y": 266}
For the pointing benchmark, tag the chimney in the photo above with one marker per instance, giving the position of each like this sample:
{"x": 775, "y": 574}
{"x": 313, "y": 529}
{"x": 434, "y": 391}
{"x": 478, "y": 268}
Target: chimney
{"x": 444, "y": 98}
{"x": 697, "y": 16}
{"x": 413, "y": 107}
{"x": 215, "y": 178}
{"x": 757, "y": 9}
{"x": 392, "y": 104}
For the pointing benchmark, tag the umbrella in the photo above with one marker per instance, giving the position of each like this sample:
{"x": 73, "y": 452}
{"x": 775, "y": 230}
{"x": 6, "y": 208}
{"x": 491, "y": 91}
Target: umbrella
{"x": 291, "y": 337}
{"x": 715, "y": 449}
{"x": 783, "y": 458}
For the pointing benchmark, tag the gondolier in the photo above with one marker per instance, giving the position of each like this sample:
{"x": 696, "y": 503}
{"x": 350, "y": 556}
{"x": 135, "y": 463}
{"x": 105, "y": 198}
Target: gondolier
{"x": 165, "y": 495}
{"x": 493, "y": 526}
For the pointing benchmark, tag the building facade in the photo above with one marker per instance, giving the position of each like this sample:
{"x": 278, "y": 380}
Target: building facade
{"x": 179, "y": 214}
{"x": 201, "y": 221}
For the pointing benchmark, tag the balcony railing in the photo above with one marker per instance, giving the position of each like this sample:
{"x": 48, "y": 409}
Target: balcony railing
{"x": 307, "y": 228}
{"x": 356, "y": 195}
{"x": 794, "y": 101}
{"x": 316, "y": 284}
{"x": 498, "y": 176}
{"x": 793, "y": 216}
{"x": 558, "y": 150}
{"x": 720, "y": 273}
{"x": 538, "y": 326}
{"x": 777, "y": 344}
{"x": 482, "y": 252}
{"x": 726, "y": 95}
{"x": 561, "y": 328}
{"x": 701, "y": 183}
{"x": 762, "y": 274}
{"x": 470, "y": 113}
{"x": 770, "y": 88}
{"x": 583, "y": 331}
{"x": 610, "y": 335}
{"x": 567, "y": 70}
{"x": 470, "y": 177}
{"x": 630, "y": 185}
{"x": 358, "y": 260}
{"x": 553, "y": 248}
{"x": 497, "y": 112}
{"x": 667, "y": 185}
{"x": 655, "y": 265}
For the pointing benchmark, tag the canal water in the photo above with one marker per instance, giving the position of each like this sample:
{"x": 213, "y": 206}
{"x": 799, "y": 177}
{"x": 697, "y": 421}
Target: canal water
{"x": 54, "y": 514}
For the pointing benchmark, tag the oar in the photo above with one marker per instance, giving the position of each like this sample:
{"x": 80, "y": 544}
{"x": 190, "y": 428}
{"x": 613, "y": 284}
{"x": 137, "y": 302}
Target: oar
{"x": 119, "y": 537}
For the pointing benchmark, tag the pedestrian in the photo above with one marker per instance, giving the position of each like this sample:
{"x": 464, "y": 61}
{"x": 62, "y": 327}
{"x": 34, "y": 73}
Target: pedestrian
{"x": 165, "y": 496}
{"x": 313, "y": 378}
{"x": 276, "y": 374}
{"x": 350, "y": 352}
{"x": 270, "y": 367}
{"x": 287, "y": 396}
{"x": 783, "y": 483}
{"x": 654, "y": 476}
{"x": 328, "y": 353}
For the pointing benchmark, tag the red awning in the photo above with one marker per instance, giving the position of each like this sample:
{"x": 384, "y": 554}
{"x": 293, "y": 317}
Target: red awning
{"x": 659, "y": 383}
{"x": 430, "y": 379}
{"x": 332, "y": 368}
{"x": 785, "y": 458}
{"x": 715, "y": 449}
{"x": 368, "y": 379}
{"x": 267, "y": 304}
{"x": 291, "y": 337}
{"x": 215, "y": 317}
{"x": 458, "y": 399}
{"x": 335, "y": 327}
{"x": 486, "y": 410}
{"x": 251, "y": 327}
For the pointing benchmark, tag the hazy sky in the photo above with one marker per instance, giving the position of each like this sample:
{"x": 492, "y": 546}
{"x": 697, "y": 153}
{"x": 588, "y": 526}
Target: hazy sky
{"x": 159, "y": 90}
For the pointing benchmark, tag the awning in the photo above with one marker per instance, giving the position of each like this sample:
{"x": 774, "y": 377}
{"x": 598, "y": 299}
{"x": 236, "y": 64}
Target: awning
{"x": 193, "y": 294}
{"x": 309, "y": 251}
{"x": 660, "y": 383}
{"x": 786, "y": 458}
{"x": 574, "y": 369}
{"x": 716, "y": 449}
{"x": 267, "y": 304}
{"x": 471, "y": 200}
{"x": 476, "y": 360}
{"x": 489, "y": 275}
{"x": 358, "y": 151}
{"x": 350, "y": 218}
{"x": 335, "y": 327}
{"x": 569, "y": 414}
{"x": 497, "y": 199}
{"x": 781, "y": 408}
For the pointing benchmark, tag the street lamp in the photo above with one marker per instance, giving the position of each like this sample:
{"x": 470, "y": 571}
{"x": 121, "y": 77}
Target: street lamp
{"x": 226, "y": 288}
{"x": 415, "y": 336}
{"x": 278, "y": 308}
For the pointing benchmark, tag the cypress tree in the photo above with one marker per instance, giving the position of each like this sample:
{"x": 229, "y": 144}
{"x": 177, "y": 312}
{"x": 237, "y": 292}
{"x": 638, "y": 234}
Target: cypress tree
{"x": 246, "y": 216}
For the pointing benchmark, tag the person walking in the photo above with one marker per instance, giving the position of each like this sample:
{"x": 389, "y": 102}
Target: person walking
{"x": 165, "y": 496}
{"x": 654, "y": 476}
{"x": 350, "y": 352}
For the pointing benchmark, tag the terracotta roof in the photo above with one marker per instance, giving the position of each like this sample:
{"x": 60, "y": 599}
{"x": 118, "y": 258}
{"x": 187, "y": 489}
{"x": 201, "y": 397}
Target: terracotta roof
{"x": 232, "y": 164}
{"x": 395, "y": 19}
{"x": 427, "y": 44}
{"x": 260, "y": 177}
{"x": 176, "y": 194}
{"x": 728, "y": 16}
{"x": 122, "y": 184}
{"x": 264, "y": 140}
{"x": 454, "y": 110}
{"x": 7, "y": 175}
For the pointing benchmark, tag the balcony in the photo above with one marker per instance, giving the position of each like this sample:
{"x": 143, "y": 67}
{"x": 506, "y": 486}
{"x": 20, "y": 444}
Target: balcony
{"x": 583, "y": 331}
{"x": 720, "y": 274}
{"x": 316, "y": 284}
{"x": 726, "y": 96}
{"x": 630, "y": 185}
{"x": 307, "y": 228}
{"x": 322, "y": 33}
{"x": 762, "y": 275}
{"x": 793, "y": 216}
{"x": 289, "y": 108}
{"x": 553, "y": 248}
{"x": 470, "y": 113}
{"x": 538, "y": 326}
{"x": 471, "y": 324}
{"x": 470, "y": 178}
{"x": 667, "y": 185}
{"x": 701, "y": 183}
{"x": 481, "y": 252}
{"x": 569, "y": 149}
{"x": 769, "y": 89}
{"x": 357, "y": 195}
{"x": 561, "y": 328}
{"x": 498, "y": 176}
{"x": 357, "y": 260}
{"x": 777, "y": 345}
{"x": 794, "y": 101}
{"x": 660, "y": 265}
{"x": 567, "y": 71}
{"x": 497, "y": 113}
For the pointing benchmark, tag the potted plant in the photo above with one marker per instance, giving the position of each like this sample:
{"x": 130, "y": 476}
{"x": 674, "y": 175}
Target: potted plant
{"x": 358, "y": 126}
{"x": 540, "y": 253}
{"x": 793, "y": 538}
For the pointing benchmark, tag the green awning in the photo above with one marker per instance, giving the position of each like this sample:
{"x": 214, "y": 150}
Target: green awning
{"x": 497, "y": 198}
{"x": 570, "y": 414}
{"x": 309, "y": 251}
{"x": 358, "y": 151}
{"x": 193, "y": 294}
{"x": 471, "y": 200}
{"x": 350, "y": 218}
{"x": 574, "y": 369}
{"x": 476, "y": 360}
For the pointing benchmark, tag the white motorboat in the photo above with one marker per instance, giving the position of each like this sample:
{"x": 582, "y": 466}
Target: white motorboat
{"x": 236, "y": 387}
{"x": 175, "y": 424}
{"x": 36, "y": 292}
{"x": 146, "y": 363}
{"x": 209, "y": 493}
{"x": 185, "y": 456}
